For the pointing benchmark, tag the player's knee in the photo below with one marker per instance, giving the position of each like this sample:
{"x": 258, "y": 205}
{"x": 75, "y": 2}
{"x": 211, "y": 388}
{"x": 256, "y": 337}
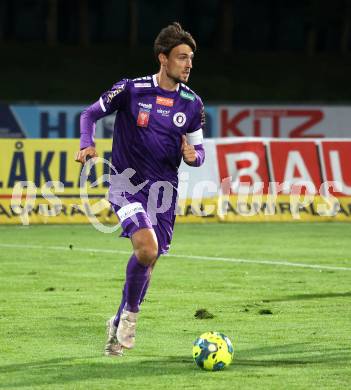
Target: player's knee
{"x": 147, "y": 254}
{"x": 145, "y": 246}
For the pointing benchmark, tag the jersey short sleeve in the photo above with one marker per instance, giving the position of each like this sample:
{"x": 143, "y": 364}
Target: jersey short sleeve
{"x": 197, "y": 125}
{"x": 115, "y": 98}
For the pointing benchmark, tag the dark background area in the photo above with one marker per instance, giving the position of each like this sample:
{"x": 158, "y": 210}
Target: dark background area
{"x": 249, "y": 50}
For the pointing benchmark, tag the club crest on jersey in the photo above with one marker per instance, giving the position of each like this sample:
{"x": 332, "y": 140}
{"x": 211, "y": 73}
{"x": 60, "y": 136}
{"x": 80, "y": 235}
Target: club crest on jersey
{"x": 179, "y": 118}
{"x": 163, "y": 101}
{"x": 143, "y": 117}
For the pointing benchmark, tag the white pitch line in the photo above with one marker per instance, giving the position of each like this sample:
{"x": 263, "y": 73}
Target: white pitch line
{"x": 264, "y": 262}
{"x": 64, "y": 248}
{"x": 190, "y": 257}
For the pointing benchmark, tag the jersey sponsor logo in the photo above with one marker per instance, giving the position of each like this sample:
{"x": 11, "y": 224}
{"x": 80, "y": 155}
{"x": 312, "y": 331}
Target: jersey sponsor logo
{"x": 142, "y": 78}
{"x": 179, "y": 118}
{"x": 143, "y": 117}
{"x": 115, "y": 92}
{"x": 147, "y": 106}
{"x": 187, "y": 95}
{"x": 163, "y": 101}
{"x": 142, "y": 85}
{"x": 129, "y": 210}
{"x": 163, "y": 112}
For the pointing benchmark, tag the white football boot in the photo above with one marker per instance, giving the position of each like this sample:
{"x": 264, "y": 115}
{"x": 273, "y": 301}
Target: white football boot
{"x": 112, "y": 347}
{"x": 126, "y": 329}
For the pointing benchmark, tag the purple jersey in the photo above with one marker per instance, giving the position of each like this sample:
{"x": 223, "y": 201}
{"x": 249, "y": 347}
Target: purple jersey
{"x": 149, "y": 126}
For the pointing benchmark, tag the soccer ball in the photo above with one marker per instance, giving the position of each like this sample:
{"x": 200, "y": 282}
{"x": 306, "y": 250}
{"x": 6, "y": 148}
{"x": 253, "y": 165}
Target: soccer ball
{"x": 213, "y": 351}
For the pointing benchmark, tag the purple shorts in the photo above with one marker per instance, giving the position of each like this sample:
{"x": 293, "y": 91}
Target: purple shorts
{"x": 135, "y": 213}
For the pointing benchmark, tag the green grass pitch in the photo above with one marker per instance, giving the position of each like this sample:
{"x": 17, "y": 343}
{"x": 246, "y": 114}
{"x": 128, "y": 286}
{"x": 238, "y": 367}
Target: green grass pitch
{"x": 57, "y": 289}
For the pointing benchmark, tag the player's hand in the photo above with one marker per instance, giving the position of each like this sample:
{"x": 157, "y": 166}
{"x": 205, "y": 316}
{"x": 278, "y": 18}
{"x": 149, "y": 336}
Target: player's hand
{"x": 83, "y": 155}
{"x": 189, "y": 152}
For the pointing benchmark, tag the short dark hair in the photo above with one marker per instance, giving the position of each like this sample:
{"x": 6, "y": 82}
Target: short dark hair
{"x": 170, "y": 37}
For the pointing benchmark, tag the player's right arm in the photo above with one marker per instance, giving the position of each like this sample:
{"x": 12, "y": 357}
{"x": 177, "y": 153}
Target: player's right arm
{"x": 110, "y": 101}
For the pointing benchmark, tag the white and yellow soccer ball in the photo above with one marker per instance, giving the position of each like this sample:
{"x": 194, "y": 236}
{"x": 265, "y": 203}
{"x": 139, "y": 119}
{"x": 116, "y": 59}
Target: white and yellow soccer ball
{"x": 213, "y": 351}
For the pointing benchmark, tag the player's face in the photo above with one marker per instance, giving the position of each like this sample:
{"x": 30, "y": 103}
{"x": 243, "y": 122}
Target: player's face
{"x": 179, "y": 63}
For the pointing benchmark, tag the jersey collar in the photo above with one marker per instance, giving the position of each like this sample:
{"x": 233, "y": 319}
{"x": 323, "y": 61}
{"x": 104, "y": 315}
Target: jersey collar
{"x": 154, "y": 79}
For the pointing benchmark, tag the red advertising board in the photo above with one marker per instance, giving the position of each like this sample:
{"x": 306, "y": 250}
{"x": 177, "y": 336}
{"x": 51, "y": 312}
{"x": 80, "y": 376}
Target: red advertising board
{"x": 291, "y": 166}
{"x": 244, "y": 162}
{"x": 271, "y": 122}
{"x": 336, "y": 165}
{"x": 296, "y": 164}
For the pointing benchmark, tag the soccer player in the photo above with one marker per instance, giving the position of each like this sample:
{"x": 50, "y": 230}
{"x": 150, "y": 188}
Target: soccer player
{"x": 159, "y": 121}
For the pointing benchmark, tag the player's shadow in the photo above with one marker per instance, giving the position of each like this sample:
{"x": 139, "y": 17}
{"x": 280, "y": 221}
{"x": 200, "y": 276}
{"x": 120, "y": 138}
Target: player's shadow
{"x": 76, "y": 369}
{"x": 301, "y": 297}
{"x": 303, "y": 354}
{"x": 71, "y": 371}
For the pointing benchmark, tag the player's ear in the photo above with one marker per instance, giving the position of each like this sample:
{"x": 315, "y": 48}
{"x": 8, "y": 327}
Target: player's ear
{"x": 163, "y": 59}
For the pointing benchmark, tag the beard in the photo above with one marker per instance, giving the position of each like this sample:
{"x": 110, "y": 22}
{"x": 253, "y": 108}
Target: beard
{"x": 175, "y": 79}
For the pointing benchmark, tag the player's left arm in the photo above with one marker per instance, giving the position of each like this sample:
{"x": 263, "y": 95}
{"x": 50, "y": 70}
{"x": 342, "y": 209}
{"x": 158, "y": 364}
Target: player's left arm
{"x": 192, "y": 144}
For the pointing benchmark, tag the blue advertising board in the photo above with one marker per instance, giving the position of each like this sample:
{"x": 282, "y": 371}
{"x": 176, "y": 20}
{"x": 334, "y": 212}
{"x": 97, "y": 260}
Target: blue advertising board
{"x": 62, "y": 121}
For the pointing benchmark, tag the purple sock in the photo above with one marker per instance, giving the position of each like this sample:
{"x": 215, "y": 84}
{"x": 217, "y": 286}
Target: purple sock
{"x": 121, "y": 307}
{"x": 131, "y": 264}
{"x": 123, "y": 301}
{"x": 134, "y": 291}
{"x": 137, "y": 276}
{"x": 146, "y": 286}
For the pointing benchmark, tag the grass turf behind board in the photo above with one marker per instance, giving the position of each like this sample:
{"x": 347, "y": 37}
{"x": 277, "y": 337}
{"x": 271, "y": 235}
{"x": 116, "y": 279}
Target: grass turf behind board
{"x": 54, "y": 304}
